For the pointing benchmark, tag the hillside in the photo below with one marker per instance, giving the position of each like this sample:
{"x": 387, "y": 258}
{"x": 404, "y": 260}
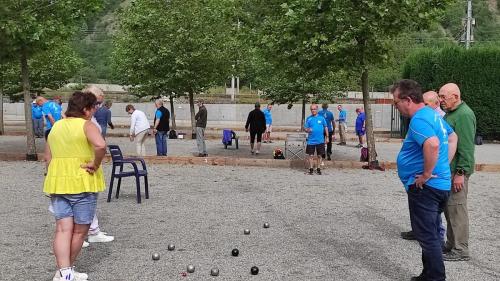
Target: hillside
{"x": 94, "y": 42}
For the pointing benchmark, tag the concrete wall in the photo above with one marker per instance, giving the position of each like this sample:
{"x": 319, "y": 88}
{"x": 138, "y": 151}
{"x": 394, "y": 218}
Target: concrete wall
{"x": 231, "y": 114}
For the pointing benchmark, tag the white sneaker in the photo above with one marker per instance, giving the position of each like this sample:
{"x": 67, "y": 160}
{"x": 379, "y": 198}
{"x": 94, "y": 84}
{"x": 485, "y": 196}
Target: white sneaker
{"x": 85, "y": 244}
{"x": 257, "y": 152}
{"x": 100, "y": 237}
{"x": 78, "y": 276}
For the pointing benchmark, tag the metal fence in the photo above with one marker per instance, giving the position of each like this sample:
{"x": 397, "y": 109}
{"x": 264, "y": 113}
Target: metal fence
{"x": 399, "y": 123}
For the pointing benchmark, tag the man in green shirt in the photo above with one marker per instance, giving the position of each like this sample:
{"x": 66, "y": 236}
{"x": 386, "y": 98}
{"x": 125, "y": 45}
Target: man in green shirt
{"x": 463, "y": 121}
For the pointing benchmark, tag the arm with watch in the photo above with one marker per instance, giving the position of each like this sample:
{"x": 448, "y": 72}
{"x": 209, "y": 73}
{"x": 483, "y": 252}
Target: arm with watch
{"x": 463, "y": 162}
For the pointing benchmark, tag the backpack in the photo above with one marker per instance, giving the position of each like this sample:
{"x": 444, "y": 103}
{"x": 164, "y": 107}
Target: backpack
{"x": 172, "y": 134}
{"x": 364, "y": 154}
{"x": 278, "y": 154}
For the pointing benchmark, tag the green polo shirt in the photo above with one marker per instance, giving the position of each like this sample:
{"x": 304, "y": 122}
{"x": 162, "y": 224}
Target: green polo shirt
{"x": 463, "y": 122}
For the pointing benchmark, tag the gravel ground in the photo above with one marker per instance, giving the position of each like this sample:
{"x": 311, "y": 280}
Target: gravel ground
{"x": 485, "y": 154}
{"x": 343, "y": 225}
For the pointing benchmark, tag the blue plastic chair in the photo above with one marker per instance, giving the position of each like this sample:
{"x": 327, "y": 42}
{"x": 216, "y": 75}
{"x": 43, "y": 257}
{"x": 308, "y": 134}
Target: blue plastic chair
{"x": 228, "y": 136}
{"x": 118, "y": 162}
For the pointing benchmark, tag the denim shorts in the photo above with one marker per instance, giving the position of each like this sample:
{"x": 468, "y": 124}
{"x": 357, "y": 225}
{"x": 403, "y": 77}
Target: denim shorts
{"x": 81, "y": 206}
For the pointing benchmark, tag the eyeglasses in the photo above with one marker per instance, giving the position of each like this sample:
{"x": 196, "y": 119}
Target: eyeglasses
{"x": 395, "y": 102}
{"x": 444, "y": 97}
{"x": 314, "y": 109}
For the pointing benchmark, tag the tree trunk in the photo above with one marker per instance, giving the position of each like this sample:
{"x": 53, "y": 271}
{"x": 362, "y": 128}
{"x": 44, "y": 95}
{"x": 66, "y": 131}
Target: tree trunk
{"x": 193, "y": 122}
{"x": 370, "y": 137}
{"x": 303, "y": 118}
{"x": 172, "y": 112}
{"x": 2, "y": 129}
{"x": 30, "y": 135}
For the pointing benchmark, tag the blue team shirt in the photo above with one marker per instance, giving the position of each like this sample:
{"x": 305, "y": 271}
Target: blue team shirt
{"x": 54, "y": 109}
{"x": 360, "y": 120}
{"x": 269, "y": 116}
{"x": 328, "y": 115}
{"x": 317, "y": 125}
{"x": 424, "y": 124}
{"x": 36, "y": 111}
{"x": 342, "y": 115}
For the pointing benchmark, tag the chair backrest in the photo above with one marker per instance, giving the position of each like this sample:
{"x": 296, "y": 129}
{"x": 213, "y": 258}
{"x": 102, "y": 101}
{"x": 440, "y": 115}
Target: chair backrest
{"x": 115, "y": 151}
{"x": 296, "y": 137}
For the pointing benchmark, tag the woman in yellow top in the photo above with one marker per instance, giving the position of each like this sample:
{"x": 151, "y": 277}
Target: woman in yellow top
{"x": 74, "y": 151}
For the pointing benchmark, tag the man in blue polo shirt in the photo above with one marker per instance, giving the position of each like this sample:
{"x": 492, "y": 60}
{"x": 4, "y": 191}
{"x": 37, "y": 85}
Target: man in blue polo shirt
{"x": 269, "y": 123}
{"x": 317, "y": 128}
{"x": 360, "y": 125}
{"x": 342, "y": 124}
{"x": 37, "y": 116}
{"x": 52, "y": 111}
{"x": 424, "y": 170}
{"x": 330, "y": 123}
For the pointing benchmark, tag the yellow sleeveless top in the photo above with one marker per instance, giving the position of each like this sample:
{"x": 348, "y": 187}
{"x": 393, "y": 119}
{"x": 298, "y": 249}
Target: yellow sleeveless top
{"x": 70, "y": 149}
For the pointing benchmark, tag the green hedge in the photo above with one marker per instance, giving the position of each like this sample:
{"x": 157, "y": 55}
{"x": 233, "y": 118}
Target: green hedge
{"x": 477, "y": 73}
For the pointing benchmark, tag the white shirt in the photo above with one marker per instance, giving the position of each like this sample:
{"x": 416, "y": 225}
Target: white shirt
{"x": 138, "y": 123}
{"x": 97, "y": 124}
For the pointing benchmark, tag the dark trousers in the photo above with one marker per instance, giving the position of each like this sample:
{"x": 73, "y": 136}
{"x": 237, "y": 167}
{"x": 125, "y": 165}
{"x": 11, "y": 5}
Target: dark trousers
{"x": 161, "y": 143}
{"x": 46, "y": 133}
{"x": 38, "y": 127}
{"x": 328, "y": 145}
{"x": 426, "y": 206}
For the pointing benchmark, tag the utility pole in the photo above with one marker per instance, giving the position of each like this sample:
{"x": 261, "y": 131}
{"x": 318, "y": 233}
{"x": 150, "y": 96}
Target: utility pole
{"x": 469, "y": 22}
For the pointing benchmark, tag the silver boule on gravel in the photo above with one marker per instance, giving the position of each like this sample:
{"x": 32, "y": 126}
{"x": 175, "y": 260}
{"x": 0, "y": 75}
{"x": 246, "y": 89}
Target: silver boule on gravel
{"x": 190, "y": 268}
{"x": 171, "y": 247}
{"x": 214, "y": 272}
{"x": 246, "y": 231}
{"x": 266, "y": 225}
{"x": 155, "y": 256}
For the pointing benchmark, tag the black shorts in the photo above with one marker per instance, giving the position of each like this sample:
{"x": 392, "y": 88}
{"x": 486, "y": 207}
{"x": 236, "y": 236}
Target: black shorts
{"x": 319, "y": 148}
{"x": 252, "y": 136}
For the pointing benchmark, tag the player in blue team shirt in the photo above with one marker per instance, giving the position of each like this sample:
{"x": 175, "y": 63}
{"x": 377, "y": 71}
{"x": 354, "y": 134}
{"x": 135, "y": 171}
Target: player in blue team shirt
{"x": 360, "y": 125}
{"x": 269, "y": 123}
{"x": 424, "y": 170}
{"x": 37, "y": 116}
{"x": 330, "y": 123}
{"x": 342, "y": 124}
{"x": 317, "y": 128}
{"x": 52, "y": 111}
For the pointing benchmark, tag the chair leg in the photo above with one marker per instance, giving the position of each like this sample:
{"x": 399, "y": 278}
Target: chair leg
{"x": 138, "y": 185}
{"x": 110, "y": 191}
{"x": 146, "y": 186}
{"x": 237, "y": 145}
{"x": 118, "y": 187}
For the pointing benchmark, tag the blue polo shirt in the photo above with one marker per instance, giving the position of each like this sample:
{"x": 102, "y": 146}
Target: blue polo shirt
{"x": 36, "y": 111}
{"x": 269, "y": 116}
{"x": 54, "y": 109}
{"x": 317, "y": 125}
{"x": 359, "y": 121}
{"x": 328, "y": 115}
{"x": 342, "y": 116}
{"x": 424, "y": 124}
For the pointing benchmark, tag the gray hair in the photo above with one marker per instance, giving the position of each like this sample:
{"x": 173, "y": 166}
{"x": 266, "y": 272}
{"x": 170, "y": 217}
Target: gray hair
{"x": 96, "y": 91}
{"x": 159, "y": 102}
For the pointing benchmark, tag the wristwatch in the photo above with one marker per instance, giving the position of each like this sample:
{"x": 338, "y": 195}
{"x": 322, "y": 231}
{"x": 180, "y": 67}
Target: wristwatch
{"x": 460, "y": 172}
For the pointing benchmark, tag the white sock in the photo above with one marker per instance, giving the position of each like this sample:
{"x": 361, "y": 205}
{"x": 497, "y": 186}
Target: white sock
{"x": 67, "y": 273}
